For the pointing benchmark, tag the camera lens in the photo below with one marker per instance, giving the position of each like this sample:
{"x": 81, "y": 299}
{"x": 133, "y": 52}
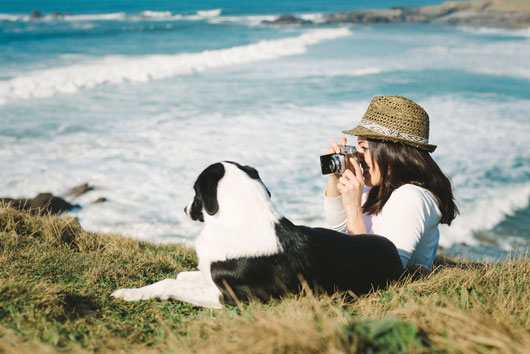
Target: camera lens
{"x": 335, "y": 164}
{"x": 332, "y": 166}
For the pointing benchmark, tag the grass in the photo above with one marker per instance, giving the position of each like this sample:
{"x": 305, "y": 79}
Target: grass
{"x": 56, "y": 280}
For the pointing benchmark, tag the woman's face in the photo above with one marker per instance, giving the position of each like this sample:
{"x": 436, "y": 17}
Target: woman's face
{"x": 371, "y": 172}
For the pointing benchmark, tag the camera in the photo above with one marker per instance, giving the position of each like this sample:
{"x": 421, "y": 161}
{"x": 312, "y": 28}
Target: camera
{"x": 336, "y": 163}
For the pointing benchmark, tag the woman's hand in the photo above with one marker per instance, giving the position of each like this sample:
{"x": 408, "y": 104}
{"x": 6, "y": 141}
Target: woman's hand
{"x": 331, "y": 190}
{"x": 350, "y": 185}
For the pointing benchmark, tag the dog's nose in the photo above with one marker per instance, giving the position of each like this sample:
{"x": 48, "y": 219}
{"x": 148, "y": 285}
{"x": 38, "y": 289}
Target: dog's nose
{"x": 185, "y": 210}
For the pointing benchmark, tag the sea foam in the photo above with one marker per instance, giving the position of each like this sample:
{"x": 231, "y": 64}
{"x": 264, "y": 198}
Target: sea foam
{"x": 115, "y": 16}
{"x": 95, "y": 17}
{"x": 209, "y": 13}
{"x": 119, "y": 69}
{"x": 485, "y": 213}
{"x": 145, "y": 167}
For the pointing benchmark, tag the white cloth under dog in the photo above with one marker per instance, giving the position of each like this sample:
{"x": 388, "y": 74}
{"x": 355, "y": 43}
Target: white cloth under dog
{"x": 409, "y": 219}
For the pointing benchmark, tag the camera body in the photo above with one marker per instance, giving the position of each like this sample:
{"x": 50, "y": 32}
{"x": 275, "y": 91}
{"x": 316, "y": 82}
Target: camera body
{"x": 336, "y": 163}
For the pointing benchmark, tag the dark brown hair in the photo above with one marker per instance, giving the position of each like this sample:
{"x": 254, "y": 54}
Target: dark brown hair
{"x": 402, "y": 164}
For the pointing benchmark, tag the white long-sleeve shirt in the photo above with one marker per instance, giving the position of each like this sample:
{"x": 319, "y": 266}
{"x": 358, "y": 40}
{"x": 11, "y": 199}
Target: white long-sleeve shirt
{"x": 409, "y": 219}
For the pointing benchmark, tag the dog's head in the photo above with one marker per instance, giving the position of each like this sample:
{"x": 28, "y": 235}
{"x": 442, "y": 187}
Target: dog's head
{"x": 227, "y": 184}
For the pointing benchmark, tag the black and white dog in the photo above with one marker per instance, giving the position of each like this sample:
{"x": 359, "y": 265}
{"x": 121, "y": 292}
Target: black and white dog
{"x": 247, "y": 250}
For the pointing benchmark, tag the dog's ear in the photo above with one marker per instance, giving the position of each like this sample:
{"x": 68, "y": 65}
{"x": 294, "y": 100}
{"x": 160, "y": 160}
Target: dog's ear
{"x": 251, "y": 172}
{"x": 207, "y": 186}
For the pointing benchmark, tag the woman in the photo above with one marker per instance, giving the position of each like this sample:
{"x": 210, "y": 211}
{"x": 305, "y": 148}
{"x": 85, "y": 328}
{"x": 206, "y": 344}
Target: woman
{"x": 408, "y": 196}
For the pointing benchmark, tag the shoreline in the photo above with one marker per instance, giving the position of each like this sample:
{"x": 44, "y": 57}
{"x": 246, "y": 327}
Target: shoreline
{"x": 507, "y": 14}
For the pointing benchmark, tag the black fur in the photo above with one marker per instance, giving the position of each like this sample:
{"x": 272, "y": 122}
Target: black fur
{"x": 206, "y": 192}
{"x": 326, "y": 260}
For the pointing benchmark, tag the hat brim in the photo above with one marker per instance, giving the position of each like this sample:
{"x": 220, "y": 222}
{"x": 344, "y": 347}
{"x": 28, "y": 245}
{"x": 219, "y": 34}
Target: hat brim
{"x": 361, "y": 131}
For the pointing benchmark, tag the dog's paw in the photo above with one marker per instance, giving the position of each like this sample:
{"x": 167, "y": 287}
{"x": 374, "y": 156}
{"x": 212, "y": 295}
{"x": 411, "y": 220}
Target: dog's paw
{"x": 128, "y": 294}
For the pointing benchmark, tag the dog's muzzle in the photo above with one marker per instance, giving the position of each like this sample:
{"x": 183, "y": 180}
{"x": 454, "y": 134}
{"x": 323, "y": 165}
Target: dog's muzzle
{"x": 194, "y": 211}
{"x": 187, "y": 209}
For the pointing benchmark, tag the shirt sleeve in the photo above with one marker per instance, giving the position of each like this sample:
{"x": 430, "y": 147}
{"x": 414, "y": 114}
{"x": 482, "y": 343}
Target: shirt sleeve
{"x": 335, "y": 214}
{"x": 406, "y": 216}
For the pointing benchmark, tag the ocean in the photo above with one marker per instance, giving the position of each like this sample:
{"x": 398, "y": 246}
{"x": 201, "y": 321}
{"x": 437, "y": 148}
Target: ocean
{"x": 138, "y": 98}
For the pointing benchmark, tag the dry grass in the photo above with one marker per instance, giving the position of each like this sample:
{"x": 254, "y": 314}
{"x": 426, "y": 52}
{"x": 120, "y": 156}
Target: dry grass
{"x": 55, "y": 281}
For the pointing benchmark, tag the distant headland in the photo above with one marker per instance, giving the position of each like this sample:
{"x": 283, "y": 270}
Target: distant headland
{"x": 511, "y": 14}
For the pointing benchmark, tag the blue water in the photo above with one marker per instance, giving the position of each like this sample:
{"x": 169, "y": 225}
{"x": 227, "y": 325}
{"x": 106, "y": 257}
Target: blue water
{"x": 229, "y": 7}
{"x": 137, "y": 98}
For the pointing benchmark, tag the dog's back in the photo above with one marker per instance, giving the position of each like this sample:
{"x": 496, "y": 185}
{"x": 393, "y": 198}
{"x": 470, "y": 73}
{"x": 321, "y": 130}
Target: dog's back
{"x": 326, "y": 260}
{"x": 358, "y": 263}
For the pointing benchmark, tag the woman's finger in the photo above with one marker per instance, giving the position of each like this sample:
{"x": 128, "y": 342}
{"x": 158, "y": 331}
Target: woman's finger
{"x": 353, "y": 180}
{"x": 335, "y": 147}
{"x": 349, "y": 174}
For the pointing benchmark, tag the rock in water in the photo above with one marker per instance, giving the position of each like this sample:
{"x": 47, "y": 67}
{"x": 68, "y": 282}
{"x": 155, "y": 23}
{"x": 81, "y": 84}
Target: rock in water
{"x": 42, "y": 204}
{"x": 491, "y": 13}
{"x": 79, "y": 190}
{"x": 36, "y": 14}
{"x": 47, "y": 202}
{"x": 288, "y": 20}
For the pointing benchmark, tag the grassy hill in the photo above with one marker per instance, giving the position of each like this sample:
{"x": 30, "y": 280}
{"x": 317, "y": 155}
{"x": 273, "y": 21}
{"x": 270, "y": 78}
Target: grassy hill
{"x": 56, "y": 280}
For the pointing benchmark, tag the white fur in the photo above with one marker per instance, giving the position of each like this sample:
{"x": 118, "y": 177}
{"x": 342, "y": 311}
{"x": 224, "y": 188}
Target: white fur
{"x": 196, "y": 293}
{"x": 244, "y": 226}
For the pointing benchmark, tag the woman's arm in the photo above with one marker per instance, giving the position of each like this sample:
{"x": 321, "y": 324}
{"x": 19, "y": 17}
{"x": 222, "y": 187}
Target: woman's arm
{"x": 333, "y": 179}
{"x": 334, "y": 213}
{"x": 333, "y": 210}
{"x": 350, "y": 186}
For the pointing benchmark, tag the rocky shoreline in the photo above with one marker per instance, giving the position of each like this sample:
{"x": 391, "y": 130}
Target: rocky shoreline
{"x": 47, "y": 203}
{"x": 509, "y": 14}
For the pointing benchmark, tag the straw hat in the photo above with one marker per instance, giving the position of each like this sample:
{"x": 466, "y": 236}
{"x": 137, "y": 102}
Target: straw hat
{"x": 397, "y": 119}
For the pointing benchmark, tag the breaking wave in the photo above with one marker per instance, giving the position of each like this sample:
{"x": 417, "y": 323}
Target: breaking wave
{"x": 119, "y": 69}
{"x": 115, "y": 16}
{"x": 484, "y": 214}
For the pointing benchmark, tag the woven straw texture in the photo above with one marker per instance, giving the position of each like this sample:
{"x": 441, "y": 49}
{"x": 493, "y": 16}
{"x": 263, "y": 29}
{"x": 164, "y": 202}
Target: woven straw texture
{"x": 397, "y": 119}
